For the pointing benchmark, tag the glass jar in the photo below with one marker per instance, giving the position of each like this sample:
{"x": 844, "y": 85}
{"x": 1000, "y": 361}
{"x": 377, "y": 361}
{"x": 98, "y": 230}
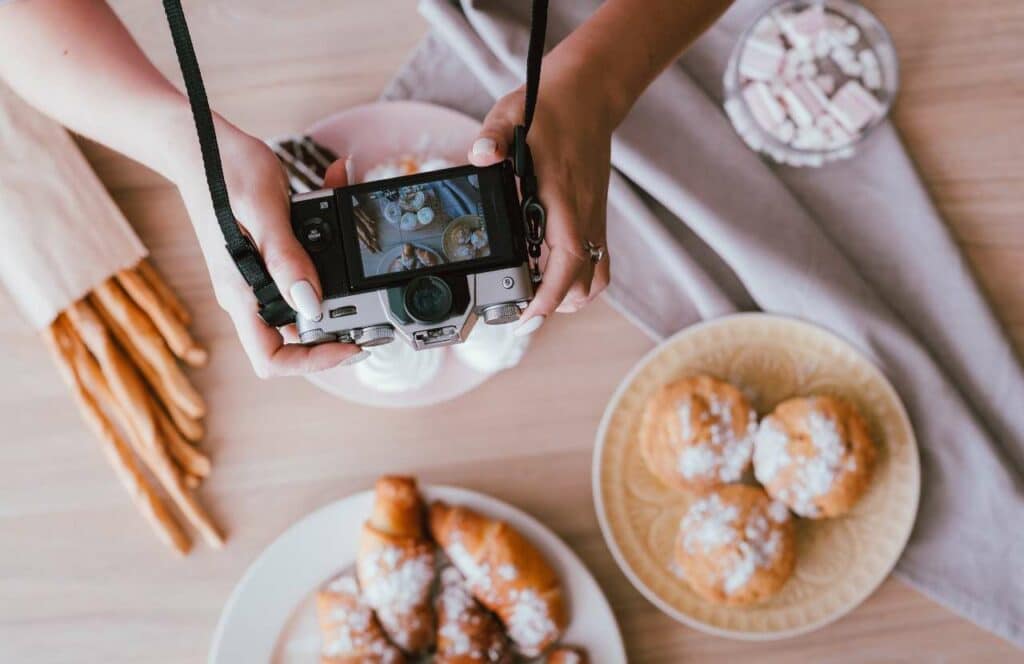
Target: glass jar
{"x": 810, "y": 80}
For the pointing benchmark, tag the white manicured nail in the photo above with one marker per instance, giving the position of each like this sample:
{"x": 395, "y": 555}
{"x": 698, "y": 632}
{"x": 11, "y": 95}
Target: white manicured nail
{"x": 355, "y": 359}
{"x": 306, "y": 300}
{"x": 350, "y": 170}
{"x": 528, "y": 326}
{"x": 484, "y": 147}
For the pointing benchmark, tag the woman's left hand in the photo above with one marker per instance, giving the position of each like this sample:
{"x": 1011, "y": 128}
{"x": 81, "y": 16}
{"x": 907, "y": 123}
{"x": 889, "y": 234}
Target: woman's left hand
{"x": 570, "y": 140}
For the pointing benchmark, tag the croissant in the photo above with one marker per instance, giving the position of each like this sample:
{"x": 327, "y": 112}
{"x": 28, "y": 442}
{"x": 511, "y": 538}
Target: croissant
{"x": 349, "y": 631}
{"x": 565, "y": 655}
{"x": 395, "y": 564}
{"x": 467, "y": 633}
{"x": 506, "y": 573}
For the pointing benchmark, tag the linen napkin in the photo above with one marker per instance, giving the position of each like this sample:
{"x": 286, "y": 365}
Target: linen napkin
{"x": 700, "y": 226}
{"x": 61, "y": 232}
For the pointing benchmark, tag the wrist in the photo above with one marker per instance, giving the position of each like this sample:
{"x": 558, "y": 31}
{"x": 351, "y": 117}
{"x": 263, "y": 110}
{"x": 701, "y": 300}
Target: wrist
{"x": 593, "y": 81}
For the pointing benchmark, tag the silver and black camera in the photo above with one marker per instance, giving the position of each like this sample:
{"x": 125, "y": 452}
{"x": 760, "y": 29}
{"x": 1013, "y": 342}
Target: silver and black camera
{"x": 419, "y": 257}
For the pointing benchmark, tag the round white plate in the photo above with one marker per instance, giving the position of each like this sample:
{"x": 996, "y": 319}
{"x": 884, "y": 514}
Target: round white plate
{"x": 270, "y": 614}
{"x": 377, "y": 133}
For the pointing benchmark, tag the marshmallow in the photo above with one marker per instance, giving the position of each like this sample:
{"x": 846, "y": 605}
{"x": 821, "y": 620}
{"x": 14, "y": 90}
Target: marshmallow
{"x": 810, "y": 138}
{"x": 854, "y": 106}
{"x": 761, "y": 58}
{"x": 808, "y": 70}
{"x": 763, "y": 105}
{"x": 872, "y": 78}
{"x": 803, "y": 27}
{"x": 827, "y": 83}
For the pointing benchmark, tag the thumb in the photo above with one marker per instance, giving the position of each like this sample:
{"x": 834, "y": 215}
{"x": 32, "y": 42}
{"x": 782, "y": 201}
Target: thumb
{"x": 491, "y": 145}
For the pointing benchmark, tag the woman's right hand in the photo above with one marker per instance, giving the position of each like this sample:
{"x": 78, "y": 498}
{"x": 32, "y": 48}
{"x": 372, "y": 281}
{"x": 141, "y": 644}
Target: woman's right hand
{"x": 259, "y": 196}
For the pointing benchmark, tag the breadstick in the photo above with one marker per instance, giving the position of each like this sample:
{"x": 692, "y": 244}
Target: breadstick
{"x": 144, "y": 336}
{"x": 163, "y": 291}
{"x": 116, "y": 449}
{"x": 173, "y": 330}
{"x": 130, "y": 393}
{"x": 188, "y": 458}
{"x": 191, "y": 482}
{"x": 190, "y": 427}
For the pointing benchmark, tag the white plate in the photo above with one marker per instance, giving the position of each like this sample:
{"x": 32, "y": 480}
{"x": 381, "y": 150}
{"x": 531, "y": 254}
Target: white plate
{"x": 373, "y": 134}
{"x": 269, "y": 616}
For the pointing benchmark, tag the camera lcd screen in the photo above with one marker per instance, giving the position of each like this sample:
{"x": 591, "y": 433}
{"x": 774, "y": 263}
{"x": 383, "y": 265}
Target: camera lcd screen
{"x": 413, "y": 227}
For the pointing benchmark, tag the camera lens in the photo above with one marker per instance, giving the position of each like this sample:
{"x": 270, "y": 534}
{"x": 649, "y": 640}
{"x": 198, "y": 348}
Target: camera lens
{"x": 428, "y": 299}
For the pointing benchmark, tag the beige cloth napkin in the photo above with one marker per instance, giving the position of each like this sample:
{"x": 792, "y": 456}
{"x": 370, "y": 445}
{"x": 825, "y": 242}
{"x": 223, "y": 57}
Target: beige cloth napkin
{"x": 60, "y": 232}
{"x": 700, "y": 226}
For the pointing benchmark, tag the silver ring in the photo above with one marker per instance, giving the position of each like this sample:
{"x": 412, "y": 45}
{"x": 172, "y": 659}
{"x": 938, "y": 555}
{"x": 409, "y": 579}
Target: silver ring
{"x": 596, "y": 251}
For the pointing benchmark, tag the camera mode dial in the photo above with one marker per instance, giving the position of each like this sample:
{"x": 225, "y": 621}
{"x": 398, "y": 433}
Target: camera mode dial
{"x": 378, "y": 335}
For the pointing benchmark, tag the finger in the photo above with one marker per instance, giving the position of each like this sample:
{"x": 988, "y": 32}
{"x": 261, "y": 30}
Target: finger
{"x": 338, "y": 174}
{"x": 559, "y": 275}
{"x": 579, "y": 292}
{"x": 602, "y": 276}
{"x": 268, "y": 220}
{"x": 491, "y": 144}
{"x": 270, "y": 356}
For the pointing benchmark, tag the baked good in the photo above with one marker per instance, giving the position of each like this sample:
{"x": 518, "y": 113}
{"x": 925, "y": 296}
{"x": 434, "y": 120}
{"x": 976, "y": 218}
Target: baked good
{"x": 467, "y": 633}
{"x": 697, "y": 433}
{"x": 815, "y": 455}
{"x": 396, "y": 562}
{"x": 736, "y": 545}
{"x": 506, "y": 573}
{"x": 349, "y": 631}
{"x": 564, "y": 655}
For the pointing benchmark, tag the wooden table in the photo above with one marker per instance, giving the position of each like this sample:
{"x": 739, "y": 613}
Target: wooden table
{"x": 83, "y": 579}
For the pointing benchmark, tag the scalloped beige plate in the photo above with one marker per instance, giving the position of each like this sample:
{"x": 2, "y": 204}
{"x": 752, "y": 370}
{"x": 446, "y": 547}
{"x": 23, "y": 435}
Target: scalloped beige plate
{"x": 840, "y": 561}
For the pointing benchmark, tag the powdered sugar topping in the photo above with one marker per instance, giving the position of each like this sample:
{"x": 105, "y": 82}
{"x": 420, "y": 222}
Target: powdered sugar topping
{"x": 812, "y": 475}
{"x": 529, "y": 623}
{"x": 727, "y": 447}
{"x": 713, "y": 527}
{"x": 397, "y": 584}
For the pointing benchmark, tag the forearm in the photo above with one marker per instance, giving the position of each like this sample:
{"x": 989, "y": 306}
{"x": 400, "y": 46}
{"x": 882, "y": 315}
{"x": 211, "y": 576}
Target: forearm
{"x": 75, "y": 61}
{"x": 623, "y": 47}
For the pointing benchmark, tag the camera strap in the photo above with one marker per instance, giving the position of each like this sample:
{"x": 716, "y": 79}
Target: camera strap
{"x": 272, "y": 307}
{"x": 534, "y": 217}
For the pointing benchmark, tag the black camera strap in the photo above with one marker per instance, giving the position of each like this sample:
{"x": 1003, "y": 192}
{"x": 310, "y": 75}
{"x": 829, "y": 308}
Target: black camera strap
{"x": 534, "y": 216}
{"x": 272, "y": 307}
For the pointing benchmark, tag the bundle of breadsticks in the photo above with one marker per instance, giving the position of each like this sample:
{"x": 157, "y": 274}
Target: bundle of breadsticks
{"x": 120, "y": 350}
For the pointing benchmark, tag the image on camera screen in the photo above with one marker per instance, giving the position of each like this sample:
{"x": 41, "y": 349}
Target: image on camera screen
{"x": 419, "y": 226}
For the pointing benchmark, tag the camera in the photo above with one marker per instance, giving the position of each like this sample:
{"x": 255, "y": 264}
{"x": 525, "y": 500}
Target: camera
{"x": 420, "y": 257}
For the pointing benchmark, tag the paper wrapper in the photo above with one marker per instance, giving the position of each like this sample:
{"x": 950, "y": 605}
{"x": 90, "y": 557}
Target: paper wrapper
{"x": 62, "y": 233}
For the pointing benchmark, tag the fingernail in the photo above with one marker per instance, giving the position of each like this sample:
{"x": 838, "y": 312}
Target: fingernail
{"x": 528, "y": 326}
{"x": 350, "y": 170}
{"x": 484, "y": 147}
{"x": 306, "y": 300}
{"x": 355, "y": 359}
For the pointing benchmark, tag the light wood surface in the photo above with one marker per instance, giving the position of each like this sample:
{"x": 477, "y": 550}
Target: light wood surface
{"x": 83, "y": 579}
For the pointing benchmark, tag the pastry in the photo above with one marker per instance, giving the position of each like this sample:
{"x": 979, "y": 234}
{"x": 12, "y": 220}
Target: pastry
{"x": 506, "y": 573}
{"x": 563, "y": 655}
{"x": 736, "y": 545}
{"x": 349, "y": 631}
{"x": 396, "y": 564}
{"x": 467, "y": 633}
{"x": 815, "y": 455}
{"x": 697, "y": 433}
